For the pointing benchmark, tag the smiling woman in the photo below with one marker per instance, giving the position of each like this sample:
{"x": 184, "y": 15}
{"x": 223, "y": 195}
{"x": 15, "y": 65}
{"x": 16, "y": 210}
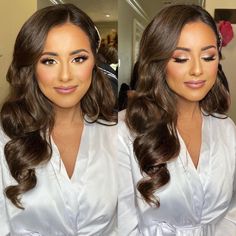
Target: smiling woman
{"x": 176, "y": 145}
{"x": 65, "y": 66}
{"x": 58, "y": 132}
{"x": 192, "y": 70}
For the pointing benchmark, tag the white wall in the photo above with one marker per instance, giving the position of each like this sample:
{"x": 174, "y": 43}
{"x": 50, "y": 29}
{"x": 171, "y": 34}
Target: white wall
{"x": 105, "y": 28}
{"x": 211, "y": 5}
{"x": 12, "y": 16}
{"x": 125, "y": 39}
{"x": 43, "y": 3}
{"x": 229, "y": 52}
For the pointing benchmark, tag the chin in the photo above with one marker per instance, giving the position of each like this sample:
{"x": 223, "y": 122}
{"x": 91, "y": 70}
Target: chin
{"x": 66, "y": 105}
{"x": 197, "y": 97}
{"x": 191, "y": 99}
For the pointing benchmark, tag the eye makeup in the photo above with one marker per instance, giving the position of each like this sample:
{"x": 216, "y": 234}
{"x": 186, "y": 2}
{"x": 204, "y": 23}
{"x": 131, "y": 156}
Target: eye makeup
{"x": 179, "y": 59}
{"x": 80, "y": 59}
{"x": 209, "y": 58}
{"x": 48, "y": 61}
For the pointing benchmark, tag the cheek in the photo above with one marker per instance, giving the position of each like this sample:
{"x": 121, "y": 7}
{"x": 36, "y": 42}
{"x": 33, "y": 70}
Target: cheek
{"x": 174, "y": 73}
{"x": 83, "y": 73}
{"x": 212, "y": 71}
{"x": 45, "y": 76}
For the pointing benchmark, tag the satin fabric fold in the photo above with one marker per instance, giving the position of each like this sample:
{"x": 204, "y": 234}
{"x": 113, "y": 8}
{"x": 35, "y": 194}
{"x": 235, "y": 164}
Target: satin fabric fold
{"x": 196, "y": 201}
{"x": 86, "y": 204}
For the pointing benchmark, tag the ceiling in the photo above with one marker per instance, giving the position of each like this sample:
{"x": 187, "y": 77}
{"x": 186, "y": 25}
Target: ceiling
{"x": 97, "y": 10}
{"x": 151, "y": 8}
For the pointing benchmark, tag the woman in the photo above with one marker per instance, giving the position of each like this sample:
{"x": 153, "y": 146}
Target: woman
{"x": 177, "y": 148}
{"x": 57, "y": 155}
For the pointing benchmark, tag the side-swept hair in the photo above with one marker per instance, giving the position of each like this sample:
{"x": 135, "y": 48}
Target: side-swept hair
{"x": 27, "y": 116}
{"x": 151, "y": 114}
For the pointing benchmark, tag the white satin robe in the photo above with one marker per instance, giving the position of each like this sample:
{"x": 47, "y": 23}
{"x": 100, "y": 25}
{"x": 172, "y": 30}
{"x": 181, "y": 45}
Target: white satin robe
{"x": 196, "y": 202}
{"x": 84, "y": 205}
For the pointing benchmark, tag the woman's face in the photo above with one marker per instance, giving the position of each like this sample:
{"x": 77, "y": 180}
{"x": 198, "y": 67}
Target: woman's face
{"x": 192, "y": 70}
{"x": 64, "y": 70}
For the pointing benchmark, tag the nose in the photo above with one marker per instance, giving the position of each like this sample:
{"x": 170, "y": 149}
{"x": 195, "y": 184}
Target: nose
{"x": 196, "y": 68}
{"x": 65, "y": 72}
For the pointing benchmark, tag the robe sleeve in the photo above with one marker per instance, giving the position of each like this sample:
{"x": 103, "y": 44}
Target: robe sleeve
{"x": 127, "y": 212}
{"x": 227, "y": 226}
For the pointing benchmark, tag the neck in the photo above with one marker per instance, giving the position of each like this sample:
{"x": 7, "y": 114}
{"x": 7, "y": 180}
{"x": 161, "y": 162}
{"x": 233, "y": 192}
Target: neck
{"x": 188, "y": 111}
{"x": 68, "y": 116}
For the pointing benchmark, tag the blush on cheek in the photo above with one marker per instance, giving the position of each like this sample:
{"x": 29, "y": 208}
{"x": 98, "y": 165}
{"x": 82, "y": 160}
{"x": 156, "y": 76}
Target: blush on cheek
{"x": 45, "y": 76}
{"x": 213, "y": 71}
{"x": 88, "y": 75}
{"x": 174, "y": 73}
{"x": 84, "y": 74}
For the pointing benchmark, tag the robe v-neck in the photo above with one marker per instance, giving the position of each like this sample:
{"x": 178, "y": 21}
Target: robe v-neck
{"x": 81, "y": 159}
{"x": 195, "y": 200}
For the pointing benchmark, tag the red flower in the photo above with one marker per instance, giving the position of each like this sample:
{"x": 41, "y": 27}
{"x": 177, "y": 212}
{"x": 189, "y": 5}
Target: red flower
{"x": 226, "y": 31}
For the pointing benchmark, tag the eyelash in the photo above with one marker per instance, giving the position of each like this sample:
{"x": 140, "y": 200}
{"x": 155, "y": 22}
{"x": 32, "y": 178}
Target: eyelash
{"x": 80, "y": 59}
{"x": 180, "y": 60}
{"x": 48, "y": 61}
{"x": 211, "y": 58}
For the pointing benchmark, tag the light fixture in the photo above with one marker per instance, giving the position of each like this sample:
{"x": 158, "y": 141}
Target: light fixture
{"x": 107, "y": 15}
{"x": 56, "y": 1}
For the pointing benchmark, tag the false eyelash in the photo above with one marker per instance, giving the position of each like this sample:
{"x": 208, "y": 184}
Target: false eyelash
{"x": 84, "y": 58}
{"x": 46, "y": 60}
{"x": 212, "y": 58}
{"x": 179, "y": 60}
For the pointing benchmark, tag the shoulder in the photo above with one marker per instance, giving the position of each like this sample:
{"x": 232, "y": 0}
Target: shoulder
{"x": 3, "y": 138}
{"x": 99, "y": 124}
{"x": 122, "y": 127}
{"x": 223, "y": 123}
{"x": 222, "y": 128}
{"x": 102, "y": 125}
{"x": 101, "y": 130}
{"x": 121, "y": 117}
{"x": 124, "y": 133}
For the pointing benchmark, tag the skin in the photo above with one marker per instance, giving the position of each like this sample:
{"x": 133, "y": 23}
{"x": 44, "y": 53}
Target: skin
{"x": 67, "y": 62}
{"x": 195, "y": 59}
{"x": 64, "y": 73}
{"x": 191, "y": 73}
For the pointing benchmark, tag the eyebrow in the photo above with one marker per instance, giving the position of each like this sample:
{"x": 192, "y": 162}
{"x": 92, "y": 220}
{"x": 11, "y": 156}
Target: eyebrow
{"x": 202, "y": 49}
{"x": 71, "y": 53}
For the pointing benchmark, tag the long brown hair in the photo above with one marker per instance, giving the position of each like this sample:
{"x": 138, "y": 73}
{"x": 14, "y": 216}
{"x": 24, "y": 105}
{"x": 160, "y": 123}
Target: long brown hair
{"x": 151, "y": 114}
{"x": 27, "y": 116}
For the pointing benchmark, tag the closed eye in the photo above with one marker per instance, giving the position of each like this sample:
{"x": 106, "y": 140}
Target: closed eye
{"x": 80, "y": 59}
{"x": 211, "y": 58}
{"x": 180, "y": 60}
{"x": 48, "y": 61}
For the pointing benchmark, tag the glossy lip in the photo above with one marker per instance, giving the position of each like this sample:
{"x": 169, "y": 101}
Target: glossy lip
{"x": 195, "y": 84}
{"x": 66, "y": 90}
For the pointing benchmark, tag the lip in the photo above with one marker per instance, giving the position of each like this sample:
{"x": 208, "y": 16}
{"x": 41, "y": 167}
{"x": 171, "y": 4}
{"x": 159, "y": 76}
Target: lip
{"x": 66, "y": 90}
{"x": 195, "y": 84}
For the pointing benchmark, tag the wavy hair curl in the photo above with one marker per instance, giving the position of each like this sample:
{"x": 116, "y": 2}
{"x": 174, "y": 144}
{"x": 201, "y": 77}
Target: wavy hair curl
{"x": 27, "y": 116}
{"x": 151, "y": 114}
